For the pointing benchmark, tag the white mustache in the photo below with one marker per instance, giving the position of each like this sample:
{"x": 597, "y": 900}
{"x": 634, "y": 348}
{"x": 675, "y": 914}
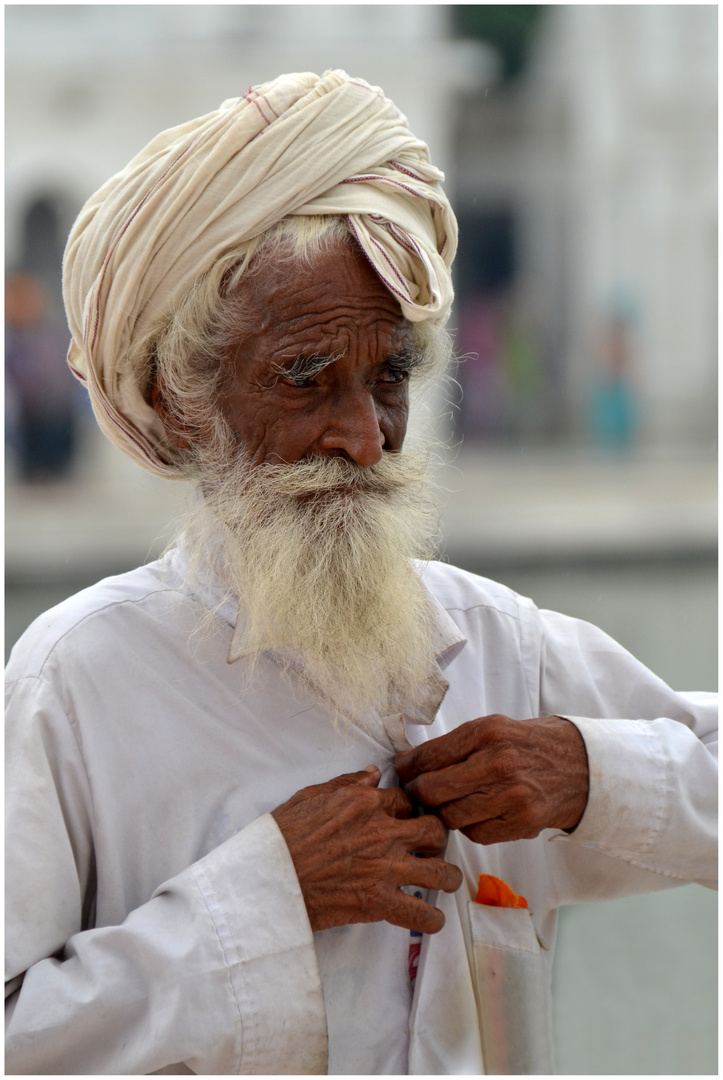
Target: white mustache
{"x": 319, "y": 475}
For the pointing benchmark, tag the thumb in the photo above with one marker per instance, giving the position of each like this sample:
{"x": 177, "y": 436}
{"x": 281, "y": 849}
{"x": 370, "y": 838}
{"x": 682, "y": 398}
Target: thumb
{"x": 368, "y": 777}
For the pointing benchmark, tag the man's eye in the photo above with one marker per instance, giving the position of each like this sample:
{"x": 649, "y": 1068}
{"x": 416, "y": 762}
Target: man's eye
{"x": 299, "y": 380}
{"x": 395, "y": 375}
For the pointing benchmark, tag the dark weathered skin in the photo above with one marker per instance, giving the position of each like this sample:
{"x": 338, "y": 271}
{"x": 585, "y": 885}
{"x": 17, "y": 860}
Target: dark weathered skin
{"x": 352, "y": 844}
{"x": 498, "y": 779}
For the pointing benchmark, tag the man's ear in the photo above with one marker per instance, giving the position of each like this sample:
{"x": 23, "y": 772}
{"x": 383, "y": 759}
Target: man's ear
{"x": 175, "y": 436}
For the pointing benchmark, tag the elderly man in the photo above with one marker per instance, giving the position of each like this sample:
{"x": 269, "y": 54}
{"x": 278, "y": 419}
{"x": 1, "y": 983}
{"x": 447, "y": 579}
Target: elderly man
{"x": 232, "y": 772}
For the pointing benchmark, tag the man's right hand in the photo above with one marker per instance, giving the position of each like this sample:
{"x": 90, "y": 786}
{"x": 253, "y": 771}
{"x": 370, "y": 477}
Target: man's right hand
{"x": 353, "y": 845}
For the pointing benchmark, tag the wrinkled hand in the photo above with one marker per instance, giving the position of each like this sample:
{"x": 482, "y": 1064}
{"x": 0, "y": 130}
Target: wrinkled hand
{"x": 353, "y": 846}
{"x": 498, "y": 779}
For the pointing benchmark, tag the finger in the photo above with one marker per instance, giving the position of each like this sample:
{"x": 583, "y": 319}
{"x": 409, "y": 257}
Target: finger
{"x": 432, "y": 874}
{"x": 516, "y": 805}
{"x": 447, "y": 749}
{"x": 414, "y": 914}
{"x": 396, "y": 802}
{"x": 472, "y": 810}
{"x": 468, "y": 777}
{"x": 422, "y": 836}
{"x": 502, "y": 830}
{"x": 367, "y": 777}
{"x": 495, "y": 831}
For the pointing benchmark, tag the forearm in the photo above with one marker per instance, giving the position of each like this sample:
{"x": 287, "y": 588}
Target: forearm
{"x": 192, "y": 976}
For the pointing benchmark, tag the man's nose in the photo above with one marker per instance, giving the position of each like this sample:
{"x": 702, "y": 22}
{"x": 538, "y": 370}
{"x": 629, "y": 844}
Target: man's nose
{"x": 354, "y": 430}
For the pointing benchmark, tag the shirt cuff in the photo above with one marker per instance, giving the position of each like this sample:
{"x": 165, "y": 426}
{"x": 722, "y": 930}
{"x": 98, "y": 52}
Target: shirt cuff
{"x": 250, "y": 888}
{"x": 626, "y": 807}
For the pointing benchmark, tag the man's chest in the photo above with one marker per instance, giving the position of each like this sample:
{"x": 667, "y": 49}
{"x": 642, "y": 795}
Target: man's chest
{"x": 181, "y": 763}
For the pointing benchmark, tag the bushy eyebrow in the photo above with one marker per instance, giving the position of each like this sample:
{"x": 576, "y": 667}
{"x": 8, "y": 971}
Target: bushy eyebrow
{"x": 408, "y": 360}
{"x": 307, "y": 367}
{"x": 304, "y": 367}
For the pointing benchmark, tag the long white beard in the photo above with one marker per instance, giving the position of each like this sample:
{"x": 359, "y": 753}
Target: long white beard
{"x": 319, "y": 555}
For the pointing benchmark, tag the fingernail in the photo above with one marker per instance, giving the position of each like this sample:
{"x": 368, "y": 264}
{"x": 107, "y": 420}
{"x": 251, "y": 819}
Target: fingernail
{"x": 370, "y": 768}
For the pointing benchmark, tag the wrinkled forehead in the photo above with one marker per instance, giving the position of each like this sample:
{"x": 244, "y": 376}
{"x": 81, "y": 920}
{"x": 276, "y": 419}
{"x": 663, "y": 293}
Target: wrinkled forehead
{"x": 334, "y": 297}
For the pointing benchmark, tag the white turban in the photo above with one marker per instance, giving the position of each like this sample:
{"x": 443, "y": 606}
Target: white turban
{"x": 298, "y": 145}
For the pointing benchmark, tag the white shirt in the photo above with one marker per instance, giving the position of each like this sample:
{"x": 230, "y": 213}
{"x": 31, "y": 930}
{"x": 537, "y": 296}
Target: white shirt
{"x": 155, "y": 922}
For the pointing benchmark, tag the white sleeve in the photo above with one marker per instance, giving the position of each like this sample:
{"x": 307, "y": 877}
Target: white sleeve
{"x": 652, "y": 754}
{"x": 216, "y": 971}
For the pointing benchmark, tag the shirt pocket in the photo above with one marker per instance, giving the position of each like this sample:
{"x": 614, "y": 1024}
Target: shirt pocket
{"x": 511, "y": 980}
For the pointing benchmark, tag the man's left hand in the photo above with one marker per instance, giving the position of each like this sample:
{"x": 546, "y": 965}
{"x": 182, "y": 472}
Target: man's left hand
{"x": 497, "y": 779}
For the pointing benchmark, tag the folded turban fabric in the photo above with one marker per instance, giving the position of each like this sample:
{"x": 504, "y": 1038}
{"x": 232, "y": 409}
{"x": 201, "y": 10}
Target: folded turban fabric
{"x": 300, "y": 144}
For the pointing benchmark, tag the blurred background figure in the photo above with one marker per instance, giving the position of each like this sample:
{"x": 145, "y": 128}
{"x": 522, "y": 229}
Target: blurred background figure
{"x": 613, "y": 407}
{"x": 579, "y": 146}
{"x": 504, "y": 396}
{"x": 40, "y": 391}
{"x": 485, "y": 405}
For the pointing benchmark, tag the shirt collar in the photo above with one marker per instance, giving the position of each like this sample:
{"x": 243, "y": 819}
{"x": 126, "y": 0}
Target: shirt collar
{"x": 447, "y": 639}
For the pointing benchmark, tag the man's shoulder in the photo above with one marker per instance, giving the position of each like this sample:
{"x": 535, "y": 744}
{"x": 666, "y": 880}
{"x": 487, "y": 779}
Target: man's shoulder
{"x": 86, "y": 616}
{"x": 461, "y": 590}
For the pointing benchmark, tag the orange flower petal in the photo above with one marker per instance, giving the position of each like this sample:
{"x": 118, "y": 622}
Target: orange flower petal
{"x": 495, "y": 892}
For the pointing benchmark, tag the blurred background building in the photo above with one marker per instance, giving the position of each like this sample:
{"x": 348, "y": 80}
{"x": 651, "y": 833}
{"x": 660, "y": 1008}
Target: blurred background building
{"x": 579, "y": 144}
{"x": 587, "y": 191}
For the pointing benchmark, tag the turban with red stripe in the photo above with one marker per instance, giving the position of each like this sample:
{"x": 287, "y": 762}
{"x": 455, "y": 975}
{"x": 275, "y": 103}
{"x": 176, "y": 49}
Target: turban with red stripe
{"x": 300, "y": 145}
